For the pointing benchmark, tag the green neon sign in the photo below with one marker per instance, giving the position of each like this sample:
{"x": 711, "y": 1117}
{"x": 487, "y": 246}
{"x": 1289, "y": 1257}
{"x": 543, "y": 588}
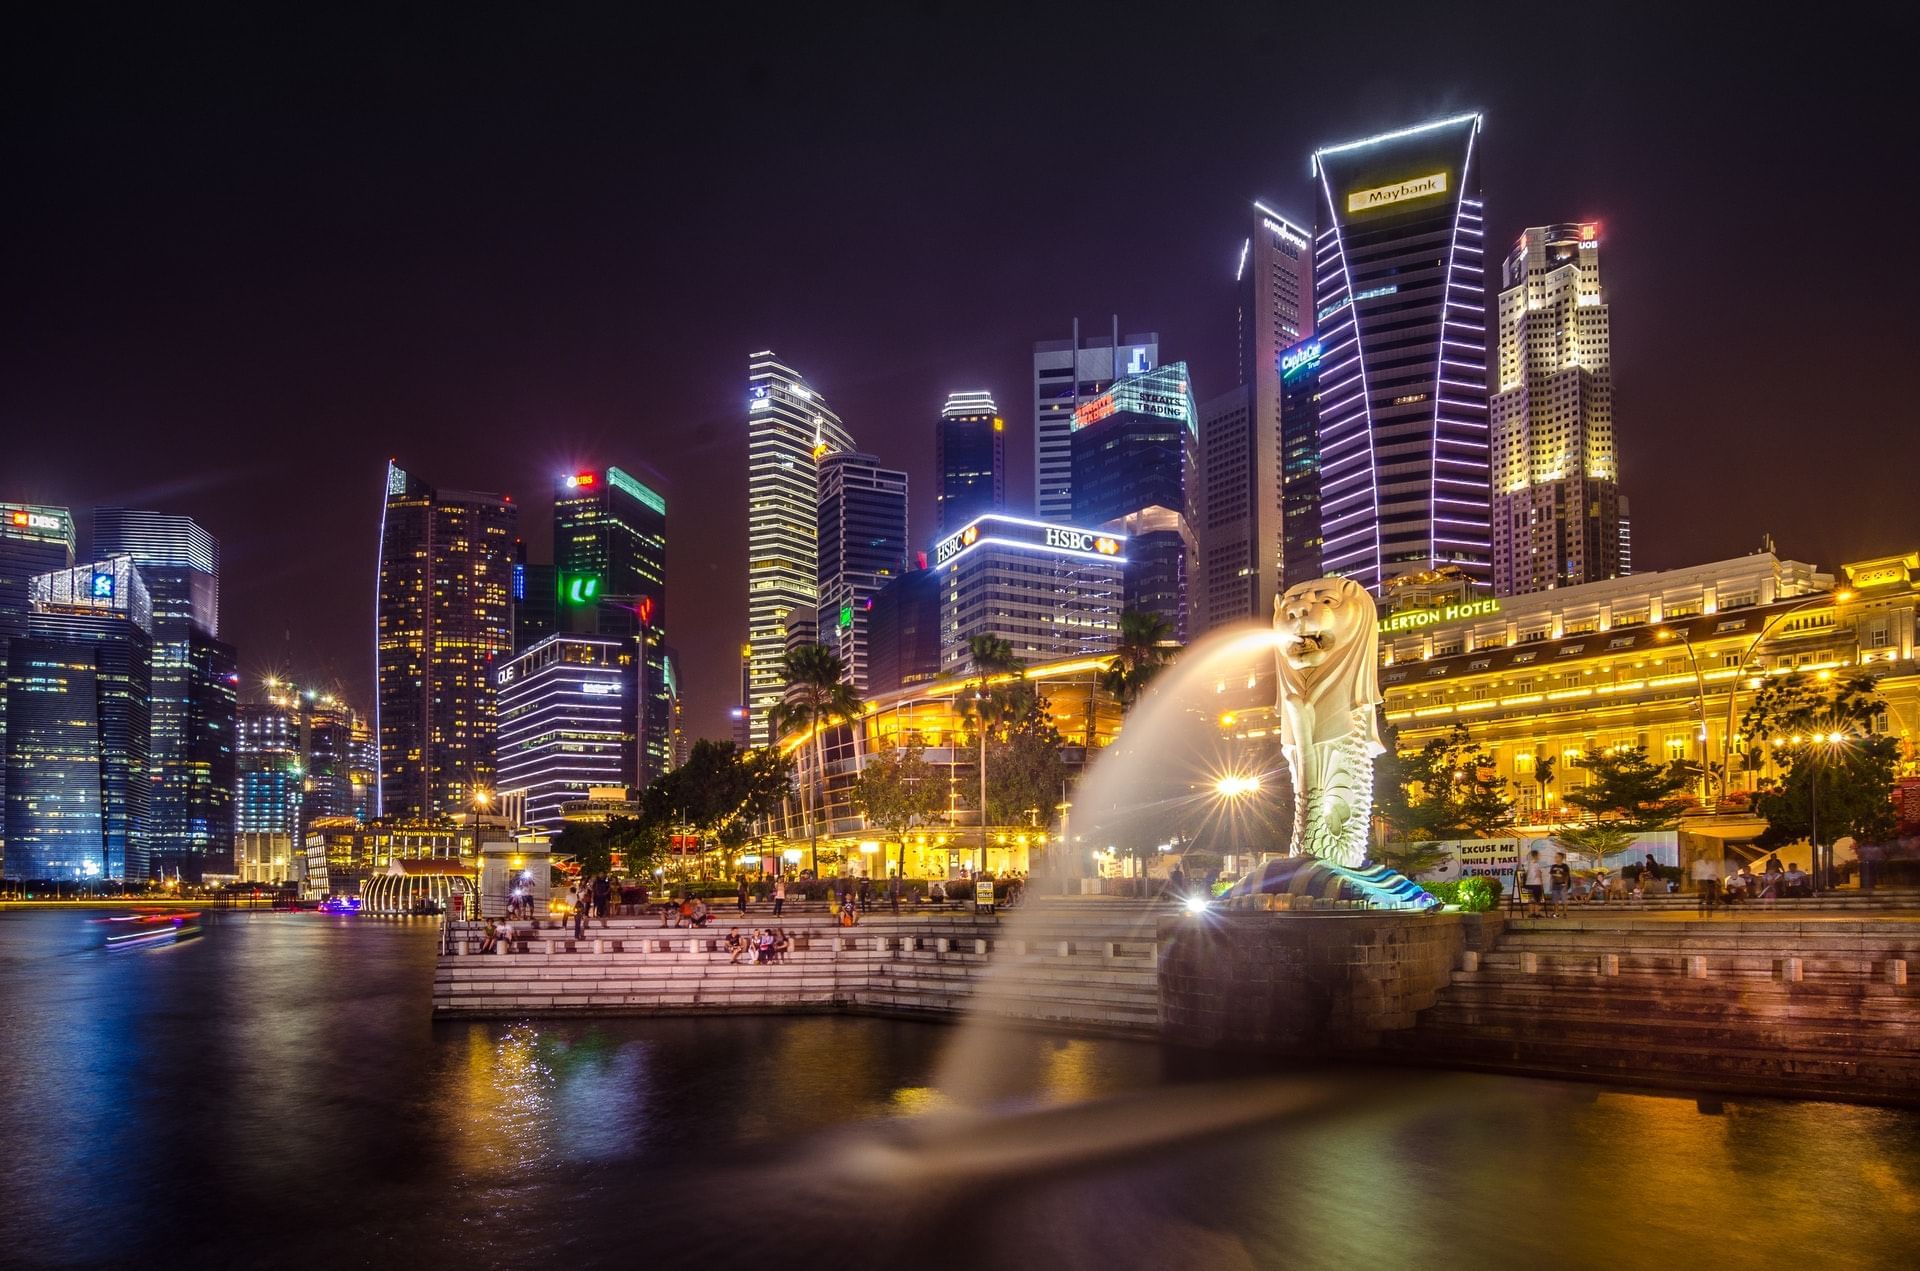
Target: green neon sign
{"x": 580, "y": 589}
{"x": 846, "y": 616}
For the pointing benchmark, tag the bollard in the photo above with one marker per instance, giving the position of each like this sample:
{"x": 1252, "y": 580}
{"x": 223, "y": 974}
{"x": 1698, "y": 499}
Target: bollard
{"x": 1066, "y": 948}
{"x": 980, "y": 946}
{"x": 1110, "y": 950}
{"x": 1791, "y": 970}
{"x": 1609, "y": 964}
{"x": 942, "y": 945}
{"x": 1897, "y": 971}
{"x": 1470, "y": 960}
{"x": 1530, "y": 963}
{"x": 1697, "y": 967}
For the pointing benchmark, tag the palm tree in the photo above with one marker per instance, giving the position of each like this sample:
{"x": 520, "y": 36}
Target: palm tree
{"x": 991, "y": 656}
{"x": 817, "y": 697}
{"x": 1142, "y": 651}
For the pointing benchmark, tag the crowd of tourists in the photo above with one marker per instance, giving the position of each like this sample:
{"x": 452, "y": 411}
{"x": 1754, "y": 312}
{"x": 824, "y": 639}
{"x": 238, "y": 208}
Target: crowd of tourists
{"x": 763, "y": 947}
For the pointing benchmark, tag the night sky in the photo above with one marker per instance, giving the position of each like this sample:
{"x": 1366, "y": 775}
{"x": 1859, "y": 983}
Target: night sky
{"x": 247, "y": 257}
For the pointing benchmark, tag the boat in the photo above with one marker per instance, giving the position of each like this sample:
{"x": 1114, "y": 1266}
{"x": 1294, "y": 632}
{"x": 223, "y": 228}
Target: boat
{"x": 137, "y": 931}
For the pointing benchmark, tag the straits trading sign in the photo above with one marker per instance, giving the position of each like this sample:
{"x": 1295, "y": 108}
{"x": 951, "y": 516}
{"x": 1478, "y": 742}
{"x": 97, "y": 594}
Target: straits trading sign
{"x": 1014, "y": 532}
{"x": 1414, "y": 619}
{"x": 1398, "y": 192}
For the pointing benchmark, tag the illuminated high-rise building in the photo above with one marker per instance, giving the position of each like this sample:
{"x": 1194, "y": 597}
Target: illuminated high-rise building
{"x": 77, "y": 687}
{"x": 536, "y": 600}
{"x": 790, "y": 428}
{"x": 443, "y": 619}
{"x": 34, "y": 540}
{"x": 569, "y": 715}
{"x": 610, "y": 570}
{"x": 1559, "y": 518}
{"x": 1300, "y": 463}
{"x": 970, "y": 453}
{"x": 1400, "y": 314}
{"x": 862, "y": 535}
{"x": 1066, "y": 374}
{"x": 1235, "y": 506}
{"x": 1050, "y": 591}
{"x": 1130, "y": 446}
{"x": 194, "y": 688}
{"x": 272, "y": 772}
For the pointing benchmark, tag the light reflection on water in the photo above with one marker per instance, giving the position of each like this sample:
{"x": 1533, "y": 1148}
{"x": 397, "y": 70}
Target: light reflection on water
{"x": 274, "y": 1093}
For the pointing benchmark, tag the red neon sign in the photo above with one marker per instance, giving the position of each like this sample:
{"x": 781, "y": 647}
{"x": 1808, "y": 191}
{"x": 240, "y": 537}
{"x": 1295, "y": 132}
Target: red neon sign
{"x": 587, "y": 478}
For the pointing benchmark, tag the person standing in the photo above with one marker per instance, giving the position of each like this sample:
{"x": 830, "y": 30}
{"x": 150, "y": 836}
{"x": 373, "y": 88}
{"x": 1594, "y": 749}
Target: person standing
{"x": 580, "y": 908}
{"x": 742, "y": 893}
{"x": 1559, "y": 880}
{"x": 1536, "y": 882}
{"x": 893, "y": 889}
{"x": 779, "y": 895}
{"x": 1706, "y": 880}
{"x": 573, "y": 899}
{"x": 602, "y": 897}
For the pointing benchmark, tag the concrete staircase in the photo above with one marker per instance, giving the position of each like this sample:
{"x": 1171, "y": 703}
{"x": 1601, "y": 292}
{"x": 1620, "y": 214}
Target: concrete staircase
{"x": 1091, "y": 968}
{"x": 1822, "y": 1007}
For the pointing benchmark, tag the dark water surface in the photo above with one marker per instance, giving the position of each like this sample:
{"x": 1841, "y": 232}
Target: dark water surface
{"x": 275, "y": 1095}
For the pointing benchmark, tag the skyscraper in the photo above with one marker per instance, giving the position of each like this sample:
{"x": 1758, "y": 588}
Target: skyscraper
{"x": 789, "y": 429}
{"x": 970, "y": 451}
{"x": 78, "y": 787}
{"x": 1065, "y": 374}
{"x": 1300, "y": 463}
{"x": 903, "y": 632}
{"x": 610, "y": 565}
{"x": 1558, "y": 515}
{"x": 569, "y": 712}
{"x": 271, "y": 786}
{"x": 862, "y": 533}
{"x": 536, "y": 599}
{"x": 1400, "y": 295}
{"x": 443, "y": 617}
{"x": 1236, "y": 510}
{"x": 193, "y": 689}
{"x": 1129, "y": 448}
{"x": 1050, "y": 591}
{"x": 34, "y": 540}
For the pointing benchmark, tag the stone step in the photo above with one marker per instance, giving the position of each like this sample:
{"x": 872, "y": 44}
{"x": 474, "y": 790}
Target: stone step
{"x": 1720, "y": 965}
{"x": 1663, "y": 991}
{"x": 1603, "y": 1023}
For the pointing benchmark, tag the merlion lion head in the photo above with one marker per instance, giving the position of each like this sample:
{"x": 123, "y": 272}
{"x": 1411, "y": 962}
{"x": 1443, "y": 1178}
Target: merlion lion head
{"x": 1328, "y": 660}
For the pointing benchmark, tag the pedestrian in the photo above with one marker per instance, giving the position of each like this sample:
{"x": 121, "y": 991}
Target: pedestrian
{"x": 1177, "y": 883}
{"x": 865, "y": 891}
{"x": 573, "y": 896}
{"x": 779, "y": 895}
{"x": 580, "y": 910}
{"x": 893, "y": 889}
{"x": 1536, "y": 882}
{"x": 1559, "y": 877}
{"x": 602, "y": 897}
{"x": 1706, "y": 880}
{"x": 743, "y": 893}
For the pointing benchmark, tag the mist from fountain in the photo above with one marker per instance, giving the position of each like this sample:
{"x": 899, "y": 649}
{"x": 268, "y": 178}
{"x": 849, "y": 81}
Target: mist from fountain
{"x": 1175, "y": 779}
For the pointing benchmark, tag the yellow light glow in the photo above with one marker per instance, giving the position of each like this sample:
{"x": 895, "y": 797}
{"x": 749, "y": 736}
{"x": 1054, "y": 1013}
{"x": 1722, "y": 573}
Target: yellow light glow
{"x": 1233, "y": 785}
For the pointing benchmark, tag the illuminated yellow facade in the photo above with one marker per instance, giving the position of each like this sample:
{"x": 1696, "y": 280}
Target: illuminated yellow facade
{"x": 933, "y": 716}
{"x": 1662, "y": 661}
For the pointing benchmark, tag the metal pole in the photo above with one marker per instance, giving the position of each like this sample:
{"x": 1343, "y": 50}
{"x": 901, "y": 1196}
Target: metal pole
{"x": 1813, "y": 818}
{"x": 983, "y": 784}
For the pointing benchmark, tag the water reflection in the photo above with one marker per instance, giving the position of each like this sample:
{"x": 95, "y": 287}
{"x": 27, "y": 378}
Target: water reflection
{"x": 276, "y": 1093}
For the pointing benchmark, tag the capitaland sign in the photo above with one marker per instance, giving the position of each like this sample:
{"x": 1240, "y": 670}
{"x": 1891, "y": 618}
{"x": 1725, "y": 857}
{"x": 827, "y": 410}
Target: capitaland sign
{"x": 1012, "y": 532}
{"x": 1398, "y": 192}
{"x": 1415, "y": 619}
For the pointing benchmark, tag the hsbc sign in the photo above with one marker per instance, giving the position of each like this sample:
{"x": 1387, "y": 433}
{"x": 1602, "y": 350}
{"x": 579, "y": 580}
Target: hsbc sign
{"x": 1014, "y": 532}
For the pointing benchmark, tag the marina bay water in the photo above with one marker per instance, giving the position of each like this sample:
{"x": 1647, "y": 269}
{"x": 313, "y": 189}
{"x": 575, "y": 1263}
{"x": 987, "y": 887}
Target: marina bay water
{"x": 275, "y": 1094}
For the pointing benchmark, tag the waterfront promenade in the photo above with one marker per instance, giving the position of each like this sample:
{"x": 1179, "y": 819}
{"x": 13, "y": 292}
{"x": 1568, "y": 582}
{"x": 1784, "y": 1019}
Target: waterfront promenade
{"x": 1818, "y": 999}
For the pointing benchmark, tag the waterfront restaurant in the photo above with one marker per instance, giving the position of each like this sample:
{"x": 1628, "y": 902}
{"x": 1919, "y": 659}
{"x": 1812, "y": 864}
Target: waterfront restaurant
{"x": 933, "y": 716}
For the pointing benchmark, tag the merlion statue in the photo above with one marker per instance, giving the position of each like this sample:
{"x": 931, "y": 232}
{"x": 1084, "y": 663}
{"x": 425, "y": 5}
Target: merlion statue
{"x": 1329, "y": 662}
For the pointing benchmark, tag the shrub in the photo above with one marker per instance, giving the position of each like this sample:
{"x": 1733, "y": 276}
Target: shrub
{"x": 1474, "y": 895}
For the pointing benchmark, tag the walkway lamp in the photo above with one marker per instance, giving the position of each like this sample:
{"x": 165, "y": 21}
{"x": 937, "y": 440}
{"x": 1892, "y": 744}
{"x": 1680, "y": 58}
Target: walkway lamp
{"x": 1740, "y": 668}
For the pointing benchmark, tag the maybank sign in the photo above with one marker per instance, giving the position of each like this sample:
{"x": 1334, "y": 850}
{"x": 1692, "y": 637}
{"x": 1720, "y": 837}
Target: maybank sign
{"x": 1399, "y": 192}
{"x": 1414, "y": 619}
{"x": 1008, "y": 531}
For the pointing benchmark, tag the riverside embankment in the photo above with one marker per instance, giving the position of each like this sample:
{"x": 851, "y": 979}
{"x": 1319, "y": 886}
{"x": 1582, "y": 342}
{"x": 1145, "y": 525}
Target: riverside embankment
{"x": 1814, "y": 1001}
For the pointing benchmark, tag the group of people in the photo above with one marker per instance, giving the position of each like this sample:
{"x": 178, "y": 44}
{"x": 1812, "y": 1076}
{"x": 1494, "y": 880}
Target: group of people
{"x": 765, "y": 946}
{"x": 1772, "y": 883}
{"x": 690, "y": 912}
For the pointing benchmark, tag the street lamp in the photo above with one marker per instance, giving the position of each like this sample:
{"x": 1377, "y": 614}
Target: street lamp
{"x": 1700, "y": 702}
{"x": 1823, "y": 744}
{"x": 1740, "y": 667}
{"x": 1236, "y": 785}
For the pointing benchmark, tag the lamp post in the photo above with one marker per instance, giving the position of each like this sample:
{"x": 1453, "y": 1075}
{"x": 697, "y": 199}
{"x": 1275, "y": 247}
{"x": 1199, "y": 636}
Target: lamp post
{"x": 1740, "y": 668}
{"x": 980, "y": 703}
{"x": 1700, "y": 702}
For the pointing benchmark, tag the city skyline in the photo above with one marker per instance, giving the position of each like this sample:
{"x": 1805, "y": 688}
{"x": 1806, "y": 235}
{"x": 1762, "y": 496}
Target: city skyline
{"x": 296, "y": 600}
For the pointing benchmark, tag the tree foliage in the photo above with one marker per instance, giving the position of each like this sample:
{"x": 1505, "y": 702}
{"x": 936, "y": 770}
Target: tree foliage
{"x": 1596, "y": 840}
{"x": 1411, "y": 858}
{"x": 898, "y": 789}
{"x": 1449, "y": 788}
{"x": 1143, "y": 650}
{"x": 817, "y": 696}
{"x": 1626, "y": 789}
{"x": 1799, "y": 718}
{"x": 720, "y": 793}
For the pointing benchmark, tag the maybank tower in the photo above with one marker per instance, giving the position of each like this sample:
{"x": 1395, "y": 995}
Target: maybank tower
{"x": 1400, "y": 301}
